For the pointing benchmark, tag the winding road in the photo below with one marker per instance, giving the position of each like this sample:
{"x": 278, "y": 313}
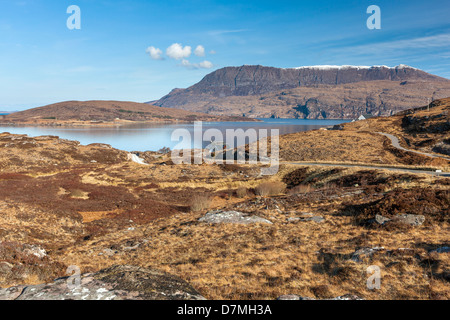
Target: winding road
{"x": 299, "y": 163}
{"x": 396, "y": 144}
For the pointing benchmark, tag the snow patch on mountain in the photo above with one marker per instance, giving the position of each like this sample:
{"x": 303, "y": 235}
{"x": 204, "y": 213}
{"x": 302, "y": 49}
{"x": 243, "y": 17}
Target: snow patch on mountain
{"x": 346, "y": 67}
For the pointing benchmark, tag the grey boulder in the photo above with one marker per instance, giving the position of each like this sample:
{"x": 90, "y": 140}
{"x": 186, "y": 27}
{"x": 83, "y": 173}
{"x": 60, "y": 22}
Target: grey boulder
{"x": 115, "y": 283}
{"x": 235, "y": 217}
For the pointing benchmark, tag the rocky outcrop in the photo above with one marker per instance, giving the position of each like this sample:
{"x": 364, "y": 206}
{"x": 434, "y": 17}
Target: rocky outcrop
{"x": 307, "y": 217}
{"x": 20, "y": 262}
{"x": 297, "y": 297}
{"x": 413, "y": 220}
{"x": 442, "y": 147}
{"x": 365, "y": 253}
{"x": 115, "y": 283}
{"x": 308, "y": 92}
{"x": 234, "y": 217}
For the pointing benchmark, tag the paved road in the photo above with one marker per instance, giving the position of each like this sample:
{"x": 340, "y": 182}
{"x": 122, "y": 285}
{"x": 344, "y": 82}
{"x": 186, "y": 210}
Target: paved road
{"x": 397, "y": 145}
{"x": 434, "y": 173}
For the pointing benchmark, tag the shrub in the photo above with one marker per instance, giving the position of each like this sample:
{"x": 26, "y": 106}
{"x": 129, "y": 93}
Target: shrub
{"x": 295, "y": 177}
{"x": 77, "y": 193}
{"x": 301, "y": 189}
{"x": 270, "y": 188}
{"x": 164, "y": 150}
{"x": 200, "y": 202}
{"x": 241, "y": 192}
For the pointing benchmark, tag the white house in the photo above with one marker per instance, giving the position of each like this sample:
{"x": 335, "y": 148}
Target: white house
{"x": 365, "y": 116}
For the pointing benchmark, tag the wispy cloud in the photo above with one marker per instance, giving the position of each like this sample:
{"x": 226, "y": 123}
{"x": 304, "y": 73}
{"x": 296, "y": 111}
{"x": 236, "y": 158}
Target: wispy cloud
{"x": 222, "y": 32}
{"x": 437, "y": 41}
{"x": 202, "y": 65}
{"x": 426, "y": 51}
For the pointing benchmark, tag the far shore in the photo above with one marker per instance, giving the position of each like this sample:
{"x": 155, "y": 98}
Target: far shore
{"x": 115, "y": 123}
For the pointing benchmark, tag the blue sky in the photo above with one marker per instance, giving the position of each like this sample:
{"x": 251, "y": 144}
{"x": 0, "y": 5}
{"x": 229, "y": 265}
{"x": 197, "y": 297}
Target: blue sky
{"x": 42, "y": 61}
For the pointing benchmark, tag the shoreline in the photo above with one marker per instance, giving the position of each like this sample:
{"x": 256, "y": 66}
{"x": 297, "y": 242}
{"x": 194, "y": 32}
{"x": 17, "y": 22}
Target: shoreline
{"x": 118, "y": 123}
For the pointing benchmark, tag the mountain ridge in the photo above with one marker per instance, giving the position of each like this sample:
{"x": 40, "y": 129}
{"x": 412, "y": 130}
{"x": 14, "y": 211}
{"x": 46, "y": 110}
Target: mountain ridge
{"x": 218, "y": 92}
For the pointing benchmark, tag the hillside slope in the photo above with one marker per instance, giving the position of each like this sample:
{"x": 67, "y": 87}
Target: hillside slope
{"x": 421, "y": 130}
{"x": 66, "y": 204}
{"x": 308, "y": 92}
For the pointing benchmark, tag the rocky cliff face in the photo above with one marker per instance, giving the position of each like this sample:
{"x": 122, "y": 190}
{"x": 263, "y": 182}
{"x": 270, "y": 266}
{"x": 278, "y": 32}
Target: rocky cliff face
{"x": 308, "y": 92}
{"x": 251, "y": 80}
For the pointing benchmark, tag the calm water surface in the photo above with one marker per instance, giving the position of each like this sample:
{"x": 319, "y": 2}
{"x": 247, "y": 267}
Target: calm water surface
{"x": 143, "y": 137}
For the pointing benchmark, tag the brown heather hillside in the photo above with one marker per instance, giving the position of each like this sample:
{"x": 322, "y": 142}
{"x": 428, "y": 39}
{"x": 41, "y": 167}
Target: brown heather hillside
{"x": 359, "y": 142}
{"x": 116, "y": 212}
{"x": 89, "y": 112}
{"x": 318, "y": 228}
{"x": 423, "y": 129}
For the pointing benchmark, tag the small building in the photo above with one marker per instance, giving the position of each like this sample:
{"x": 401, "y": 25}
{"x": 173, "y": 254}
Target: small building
{"x": 365, "y": 116}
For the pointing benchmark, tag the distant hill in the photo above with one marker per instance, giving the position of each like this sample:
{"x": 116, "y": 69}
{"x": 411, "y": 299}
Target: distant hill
{"x": 106, "y": 111}
{"x": 315, "y": 92}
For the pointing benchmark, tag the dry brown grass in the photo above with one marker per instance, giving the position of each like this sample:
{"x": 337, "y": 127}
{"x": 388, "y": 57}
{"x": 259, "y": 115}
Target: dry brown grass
{"x": 131, "y": 204}
{"x": 359, "y": 142}
{"x": 270, "y": 188}
{"x": 263, "y": 262}
{"x": 241, "y": 192}
{"x": 200, "y": 202}
{"x": 79, "y": 194}
{"x": 301, "y": 189}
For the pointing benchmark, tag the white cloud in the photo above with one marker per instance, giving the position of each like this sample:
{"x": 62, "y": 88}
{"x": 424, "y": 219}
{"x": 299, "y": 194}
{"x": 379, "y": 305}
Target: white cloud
{"x": 202, "y": 65}
{"x": 199, "y": 51}
{"x": 155, "y": 53}
{"x": 205, "y": 64}
{"x": 212, "y": 52}
{"x": 185, "y": 63}
{"x": 176, "y": 51}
